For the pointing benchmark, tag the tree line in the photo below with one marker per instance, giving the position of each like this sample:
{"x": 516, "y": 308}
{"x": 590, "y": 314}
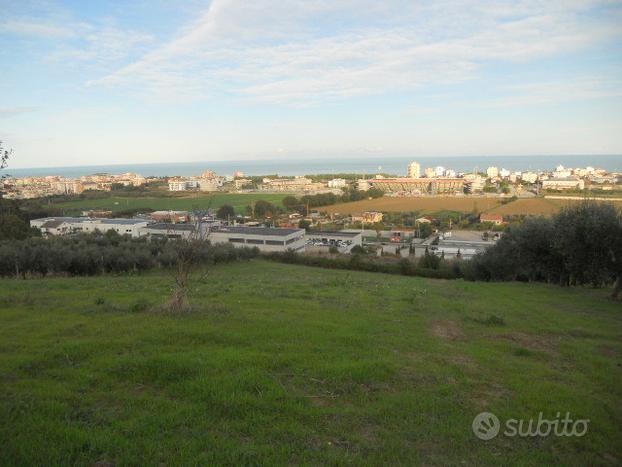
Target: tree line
{"x": 293, "y": 203}
{"x": 581, "y": 245}
{"x": 98, "y": 253}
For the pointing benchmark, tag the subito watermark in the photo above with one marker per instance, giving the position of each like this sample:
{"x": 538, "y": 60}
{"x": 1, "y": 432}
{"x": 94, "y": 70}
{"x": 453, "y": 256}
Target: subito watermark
{"x": 487, "y": 425}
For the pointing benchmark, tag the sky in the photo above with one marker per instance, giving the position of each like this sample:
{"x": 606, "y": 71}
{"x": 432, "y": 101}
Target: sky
{"x": 106, "y": 82}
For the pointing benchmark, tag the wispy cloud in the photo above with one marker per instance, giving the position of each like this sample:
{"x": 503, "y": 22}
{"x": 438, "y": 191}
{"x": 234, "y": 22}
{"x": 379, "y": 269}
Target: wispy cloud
{"x": 36, "y": 28}
{"x": 556, "y": 92}
{"x": 102, "y": 44}
{"x": 300, "y": 52}
{"x": 6, "y": 112}
{"x": 74, "y": 42}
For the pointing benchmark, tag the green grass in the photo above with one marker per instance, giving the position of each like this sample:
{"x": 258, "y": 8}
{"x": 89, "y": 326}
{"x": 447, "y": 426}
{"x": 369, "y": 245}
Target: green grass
{"x": 283, "y": 364}
{"x": 197, "y": 201}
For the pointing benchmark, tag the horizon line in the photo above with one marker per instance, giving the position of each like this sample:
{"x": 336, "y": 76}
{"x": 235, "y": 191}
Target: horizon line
{"x": 328, "y": 158}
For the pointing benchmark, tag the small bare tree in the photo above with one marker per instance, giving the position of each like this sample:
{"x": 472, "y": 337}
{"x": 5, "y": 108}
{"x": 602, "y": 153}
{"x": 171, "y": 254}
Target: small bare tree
{"x": 190, "y": 261}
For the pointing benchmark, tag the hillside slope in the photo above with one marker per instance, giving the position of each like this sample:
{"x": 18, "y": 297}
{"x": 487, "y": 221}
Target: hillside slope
{"x": 284, "y": 364}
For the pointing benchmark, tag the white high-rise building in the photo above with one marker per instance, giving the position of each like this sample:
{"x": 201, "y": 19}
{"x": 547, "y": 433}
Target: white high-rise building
{"x": 492, "y": 172}
{"x": 414, "y": 170}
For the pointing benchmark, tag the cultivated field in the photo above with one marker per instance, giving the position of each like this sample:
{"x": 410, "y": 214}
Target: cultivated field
{"x": 195, "y": 201}
{"x": 422, "y": 204}
{"x": 536, "y": 206}
{"x": 527, "y": 206}
{"x": 282, "y": 365}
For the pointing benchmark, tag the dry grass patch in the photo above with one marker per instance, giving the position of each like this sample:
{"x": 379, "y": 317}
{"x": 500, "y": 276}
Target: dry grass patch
{"x": 530, "y": 342}
{"x": 447, "y": 330}
{"x": 536, "y": 206}
{"x": 420, "y": 204}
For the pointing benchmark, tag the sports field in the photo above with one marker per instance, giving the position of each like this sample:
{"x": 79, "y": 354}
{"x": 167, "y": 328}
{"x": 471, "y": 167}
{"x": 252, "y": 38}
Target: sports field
{"x": 195, "y": 201}
{"x": 290, "y": 365}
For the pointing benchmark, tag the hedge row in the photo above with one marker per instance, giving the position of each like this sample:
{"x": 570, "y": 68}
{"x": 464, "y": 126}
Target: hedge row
{"x": 404, "y": 267}
{"x": 91, "y": 254}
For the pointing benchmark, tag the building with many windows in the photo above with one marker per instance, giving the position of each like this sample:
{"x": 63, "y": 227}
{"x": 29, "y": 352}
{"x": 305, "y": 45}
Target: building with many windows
{"x": 70, "y": 225}
{"x": 168, "y": 230}
{"x": 343, "y": 241}
{"x": 419, "y": 185}
{"x": 264, "y": 238}
{"x": 568, "y": 183}
{"x": 414, "y": 170}
{"x": 492, "y": 172}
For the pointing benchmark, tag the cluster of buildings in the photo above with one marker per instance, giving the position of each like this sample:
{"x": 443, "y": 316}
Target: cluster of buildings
{"x": 418, "y": 181}
{"x": 267, "y": 239}
{"x": 207, "y": 181}
{"x": 38, "y": 187}
{"x": 443, "y": 181}
{"x": 562, "y": 178}
{"x": 297, "y": 184}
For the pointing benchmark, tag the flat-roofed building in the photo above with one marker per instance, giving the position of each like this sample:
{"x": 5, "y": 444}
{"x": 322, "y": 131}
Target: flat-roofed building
{"x": 343, "y": 241}
{"x": 70, "y": 225}
{"x": 569, "y": 183}
{"x": 170, "y": 216}
{"x": 337, "y": 183}
{"x": 414, "y": 170}
{"x": 291, "y": 184}
{"x": 177, "y": 185}
{"x": 54, "y": 225}
{"x": 168, "y": 230}
{"x": 419, "y": 185}
{"x": 264, "y": 238}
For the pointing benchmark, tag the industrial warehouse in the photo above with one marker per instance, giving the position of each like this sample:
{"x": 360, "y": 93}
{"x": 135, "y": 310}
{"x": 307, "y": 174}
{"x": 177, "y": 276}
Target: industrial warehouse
{"x": 265, "y": 238}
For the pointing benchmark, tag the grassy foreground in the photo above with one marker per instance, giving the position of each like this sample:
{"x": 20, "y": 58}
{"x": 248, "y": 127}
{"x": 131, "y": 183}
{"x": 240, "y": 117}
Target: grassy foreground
{"x": 239, "y": 201}
{"x": 283, "y": 364}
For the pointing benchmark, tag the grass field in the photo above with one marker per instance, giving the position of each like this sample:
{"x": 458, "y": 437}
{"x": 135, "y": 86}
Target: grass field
{"x": 198, "y": 201}
{"x": 423, "y": 205}
{"x": 283, "y": 364}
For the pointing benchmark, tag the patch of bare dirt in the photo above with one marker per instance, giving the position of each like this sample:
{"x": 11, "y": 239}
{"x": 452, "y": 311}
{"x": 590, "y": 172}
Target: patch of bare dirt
{"x": 447, "y": 330}
{"x": 531, "y": 341}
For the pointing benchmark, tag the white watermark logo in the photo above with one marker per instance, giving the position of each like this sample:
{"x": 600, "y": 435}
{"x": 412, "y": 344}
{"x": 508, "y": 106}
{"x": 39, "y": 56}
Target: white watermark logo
{"x": 486, "y": 426}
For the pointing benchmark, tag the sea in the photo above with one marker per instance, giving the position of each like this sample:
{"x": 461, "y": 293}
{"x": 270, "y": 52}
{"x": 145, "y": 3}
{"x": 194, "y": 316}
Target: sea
{"x": 335, "y": 165}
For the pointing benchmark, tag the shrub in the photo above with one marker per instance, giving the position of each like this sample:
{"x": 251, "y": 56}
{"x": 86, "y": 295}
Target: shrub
{"x": 582, "y": 245}
{"x": 359, "y": 263}
{"x": 140, "y": 306}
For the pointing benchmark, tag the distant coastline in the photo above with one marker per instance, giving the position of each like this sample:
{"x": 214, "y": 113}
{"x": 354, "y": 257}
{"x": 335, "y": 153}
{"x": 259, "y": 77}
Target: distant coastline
{"x": 391, "y": 165}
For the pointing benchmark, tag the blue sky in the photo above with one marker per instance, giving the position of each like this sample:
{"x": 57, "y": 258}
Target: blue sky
{"x": 164, "y": 81}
